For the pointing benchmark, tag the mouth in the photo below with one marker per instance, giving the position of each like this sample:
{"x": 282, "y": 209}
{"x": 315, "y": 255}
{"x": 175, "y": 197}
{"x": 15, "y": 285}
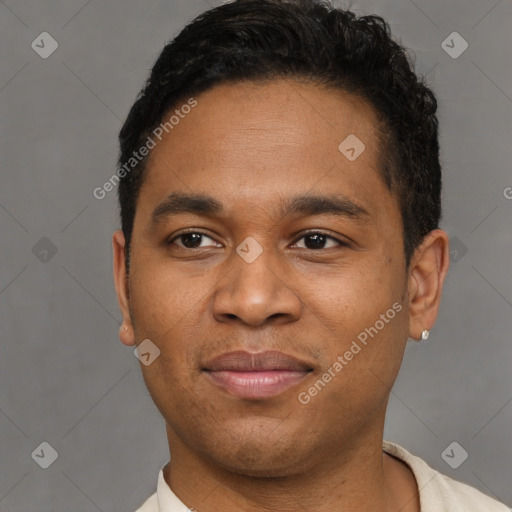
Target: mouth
{"x": 256, "y": 375}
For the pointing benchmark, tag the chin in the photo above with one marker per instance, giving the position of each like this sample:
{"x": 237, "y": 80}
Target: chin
{"x": 254, "y": 464}
{"x": 265, "y": 452}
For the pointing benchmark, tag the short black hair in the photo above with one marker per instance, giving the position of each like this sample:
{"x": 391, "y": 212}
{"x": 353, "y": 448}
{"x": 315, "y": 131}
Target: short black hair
{"x": 308, "y": 40}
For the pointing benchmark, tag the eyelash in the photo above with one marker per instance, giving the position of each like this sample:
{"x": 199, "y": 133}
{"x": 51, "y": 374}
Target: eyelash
{"x": 195, "y": 231}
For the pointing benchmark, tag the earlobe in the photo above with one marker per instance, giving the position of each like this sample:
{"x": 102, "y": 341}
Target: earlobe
{"x": 126, "y": 333}
{"x": 427, "y": 273}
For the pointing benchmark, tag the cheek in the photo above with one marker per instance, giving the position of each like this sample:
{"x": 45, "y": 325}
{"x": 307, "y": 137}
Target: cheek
{"x": 351, "y": 297}
{"x": 164, "y": 296}
{"x": 167, "y": 307}
{"x": 361, "y": 314}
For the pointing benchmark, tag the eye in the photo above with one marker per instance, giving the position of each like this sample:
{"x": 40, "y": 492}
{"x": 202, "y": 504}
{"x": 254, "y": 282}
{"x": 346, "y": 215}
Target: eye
{"x": 318, "y": 240}
{"x": 197, "y": 240}
{"x": 192, "y": 240}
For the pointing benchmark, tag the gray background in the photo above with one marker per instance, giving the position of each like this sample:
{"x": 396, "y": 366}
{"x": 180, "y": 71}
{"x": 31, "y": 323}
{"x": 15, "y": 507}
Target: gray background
{"x": 64, "y": 376}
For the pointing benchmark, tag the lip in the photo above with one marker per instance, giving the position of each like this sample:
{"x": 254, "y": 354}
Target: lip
{"x": 256, "y": 375}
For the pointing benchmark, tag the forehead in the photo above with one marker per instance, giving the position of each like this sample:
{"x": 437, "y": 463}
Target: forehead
{"x": 247, "y": 118}
{"x": 265, "y": 142}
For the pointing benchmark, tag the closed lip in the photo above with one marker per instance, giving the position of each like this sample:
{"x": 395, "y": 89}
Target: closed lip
{"x": 242, "y": 361}
{"x": 256, "y": 376}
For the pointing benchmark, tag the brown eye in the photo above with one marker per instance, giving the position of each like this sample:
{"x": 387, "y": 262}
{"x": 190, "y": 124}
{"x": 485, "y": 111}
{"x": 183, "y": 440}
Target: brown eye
{"x": 192, "y": 240}
{"x": 319, "y": 240}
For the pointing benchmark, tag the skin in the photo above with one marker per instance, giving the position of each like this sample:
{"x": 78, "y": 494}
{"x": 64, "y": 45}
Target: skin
{"x": 252, "y": 147}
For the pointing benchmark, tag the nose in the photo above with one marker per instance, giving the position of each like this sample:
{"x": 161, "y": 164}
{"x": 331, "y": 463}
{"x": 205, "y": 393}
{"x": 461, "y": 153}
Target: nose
{"x": 256, "y": 293}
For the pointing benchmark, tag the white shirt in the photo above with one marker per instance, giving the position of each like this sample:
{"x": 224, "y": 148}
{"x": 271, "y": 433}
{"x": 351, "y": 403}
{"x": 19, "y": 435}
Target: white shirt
{"x": 438, "y": 493}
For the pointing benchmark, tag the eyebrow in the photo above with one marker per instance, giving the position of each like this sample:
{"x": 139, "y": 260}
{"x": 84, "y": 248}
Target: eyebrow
{"x": 179, "y": 203}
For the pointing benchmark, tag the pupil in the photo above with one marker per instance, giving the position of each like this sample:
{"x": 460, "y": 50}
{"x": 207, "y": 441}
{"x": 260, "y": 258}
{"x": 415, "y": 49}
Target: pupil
{"x": 191, "y": 239}
{"x": 317, "y": 241}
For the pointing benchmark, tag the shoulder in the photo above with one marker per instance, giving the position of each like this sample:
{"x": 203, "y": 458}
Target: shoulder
{"x": 440, "y": 493}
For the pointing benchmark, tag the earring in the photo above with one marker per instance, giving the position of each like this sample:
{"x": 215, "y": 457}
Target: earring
{"x": 425, "y": 334}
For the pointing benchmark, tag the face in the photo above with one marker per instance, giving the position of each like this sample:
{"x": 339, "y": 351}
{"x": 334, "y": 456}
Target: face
{"x": 267, "y": 266}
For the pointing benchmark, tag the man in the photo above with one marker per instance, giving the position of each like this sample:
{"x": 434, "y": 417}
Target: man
{"x": 280, "y": 200}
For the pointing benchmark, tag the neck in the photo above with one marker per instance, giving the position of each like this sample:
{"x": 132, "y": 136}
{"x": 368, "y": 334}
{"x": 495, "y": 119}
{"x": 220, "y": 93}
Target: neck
{"x": 357, "y": 476}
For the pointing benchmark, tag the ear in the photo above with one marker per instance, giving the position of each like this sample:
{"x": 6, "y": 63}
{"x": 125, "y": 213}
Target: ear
{"x": 126, "y": 334}
{"x": 427, "y": 271}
